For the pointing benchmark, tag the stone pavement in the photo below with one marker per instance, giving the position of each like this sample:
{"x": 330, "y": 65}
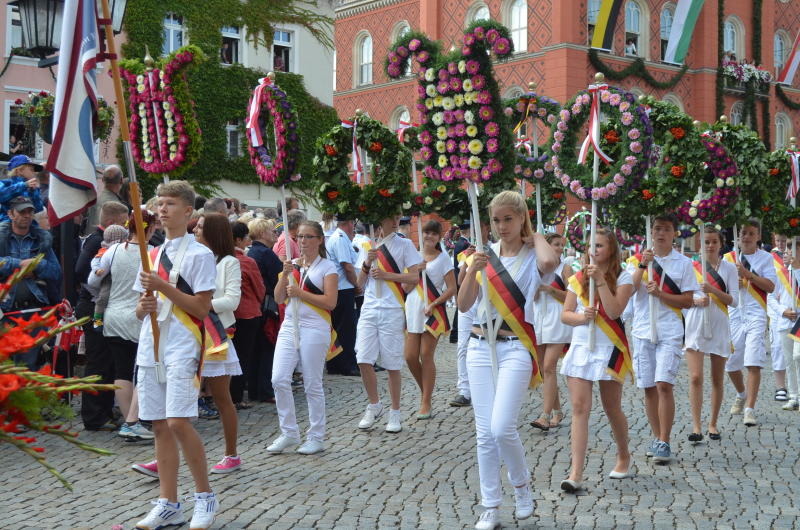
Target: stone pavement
{"x": 426, "y": 476}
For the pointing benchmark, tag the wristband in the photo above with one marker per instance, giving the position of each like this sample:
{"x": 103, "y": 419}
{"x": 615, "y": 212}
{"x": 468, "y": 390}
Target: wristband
{"x": 642, "y": 266}
{"x": 365, "y": 268}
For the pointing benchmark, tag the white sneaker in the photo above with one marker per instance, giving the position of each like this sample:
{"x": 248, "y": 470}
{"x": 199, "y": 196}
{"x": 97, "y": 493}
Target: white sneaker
{"x": 750, "y": 418}
{"x": 791, "y": 404}
{"x": 524, "y": 500}
{"x": 489, "y": 520}
{"x": 370, "y": 416}
{"x": 205, "y": 511}
{"x": 311, "y": 447}
{"x": 140, "y": 431}
{"x": 737, "y": 406}
{"x": 282, "y": 443}
{"x": 162, "y": 515}
{"x": 393, "y": 422}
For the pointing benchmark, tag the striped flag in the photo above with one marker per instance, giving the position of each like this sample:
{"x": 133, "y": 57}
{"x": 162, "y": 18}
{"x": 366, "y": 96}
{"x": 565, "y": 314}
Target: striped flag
{"x": 794, "y": 165}
{"x": 603, "y": 37}
{"x": 71, "y": 162}
{"x": 790, "y": 68}
{"x": 680, "y": 35}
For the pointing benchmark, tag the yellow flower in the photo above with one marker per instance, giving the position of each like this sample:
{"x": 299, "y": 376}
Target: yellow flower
{"x": 475, "y": 147}
{"x": 437, "y": 101}
{"x": 429, "y": 104}
{"x": 474, "y": 162}
{"x": 441, "y": 133}
{"x": 442, "y": 161}
{"x": 472, "y": 131}
{"x": 440, "y": 147}
{"x": 428, "y": 201}
{"x": 441, "y": 188}
{"x": 458, "y": 99}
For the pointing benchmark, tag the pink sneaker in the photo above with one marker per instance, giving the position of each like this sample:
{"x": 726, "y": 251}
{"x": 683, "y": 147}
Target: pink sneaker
{"x": 227, "y": 464}
{"x": 150, "y": 469}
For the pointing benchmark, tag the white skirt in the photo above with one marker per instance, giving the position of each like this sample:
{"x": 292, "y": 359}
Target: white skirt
{"x": 550, "y": 329}
{"x": 586, "y": 365}
{"x": 229, "y": 366}
{"x": 719, "y": 342}
{"x": 415, "y": 318}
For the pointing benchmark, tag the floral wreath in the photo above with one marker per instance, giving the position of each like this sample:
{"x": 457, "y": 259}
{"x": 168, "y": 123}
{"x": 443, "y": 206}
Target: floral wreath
{"x": 633, "y": 152}
{"x": 574, "y": 231}
{"x": 165, "y": 134}
{"x": 687, "y": 231}
{"x": 279, "y": 167}
{"x": 554, "y": 206}
{"x": 778, "y": 216}
{"x": 540, "y": 108}
{"x": 388, "y": 190}
{"x": 628, "y": 241}
{"x": 464, "y": 132}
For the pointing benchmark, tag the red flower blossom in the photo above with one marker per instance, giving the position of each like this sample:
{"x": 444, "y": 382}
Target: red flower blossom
{"x": 677, "y": 171}
{"x": 677, "y": 132}
{"x": 18, "y": 101}
{"x": 436, "y": 194}
{"x": 362, "y": 208}
{"x": 419, "y": 199}
{"x": 332, "y": 194}
{"x": 647, "y": 194}
{"x": 766, "y": 208}
{"x": 330, "y": 150}
{"x": 793, "y": 222}
{"x": 8, "y": 384}
{"x": 383, "y": 192}
{"x": 558, "y": 195}
{"x": 376, "y": 147}
{"x": 611, "y": 136}
{"x": 774, "y": 171}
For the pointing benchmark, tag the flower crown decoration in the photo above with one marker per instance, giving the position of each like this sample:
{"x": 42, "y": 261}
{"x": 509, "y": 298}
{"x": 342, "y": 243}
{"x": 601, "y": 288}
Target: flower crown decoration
{"x": 777, "y": 214}
{"x": 272, "y": 123}
{"x": 519, "y": 110}
{"x": 574, "y": 231}
{"x": 165, "y": 134}
{"x": 631, "y": 155}
{"x": 390, "y": 168}
{"x": 554, "y": 202}
{"x": 464, "y": 133}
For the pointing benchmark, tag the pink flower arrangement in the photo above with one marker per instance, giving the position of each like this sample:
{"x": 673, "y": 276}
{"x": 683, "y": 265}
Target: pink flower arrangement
{"x": 502, "y": 46}
{"x": 634, "y": 134}
{"x": 486, "y": 113}
{"x": 492, "y": 129}
{"x": 478, "y": 82}
{"x": 414, "y": 44}
{"x": 492, "y": 145}
{"x": 473, "y": 66}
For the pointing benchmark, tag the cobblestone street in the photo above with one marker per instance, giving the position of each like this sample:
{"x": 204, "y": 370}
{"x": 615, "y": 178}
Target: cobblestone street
{"x": 426, "y": 476}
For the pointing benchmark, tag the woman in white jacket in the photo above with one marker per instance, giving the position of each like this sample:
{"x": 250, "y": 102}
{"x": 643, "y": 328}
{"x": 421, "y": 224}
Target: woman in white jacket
{"x": 214, "y": 231}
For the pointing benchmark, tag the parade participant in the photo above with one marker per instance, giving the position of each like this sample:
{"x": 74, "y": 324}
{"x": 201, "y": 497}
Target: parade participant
{"x": 425, "y": 323}
{"x": 167, "y": 391}
{"x": 749, "y": 320}
{"x": 793, "y": 354}
{"x": 608, "y": 362}
{"x": 519, "y": 270}
{"x": 778, "y": 324}
{"x": 379, "y": 334}
{"x": 314, "y": 291}
{"x": 214, "y": 231}
{"x": 656, "y": 363}
{"x": 460, "y": 244}
{"x": 339, "y": 248}
{"x": 553, "y": 335}
{"x": 404, "y": 229}
{"x": 718, "y": 290}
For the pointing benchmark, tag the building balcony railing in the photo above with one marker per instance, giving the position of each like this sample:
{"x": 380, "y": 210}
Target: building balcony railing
{"x": 737, "y": 87}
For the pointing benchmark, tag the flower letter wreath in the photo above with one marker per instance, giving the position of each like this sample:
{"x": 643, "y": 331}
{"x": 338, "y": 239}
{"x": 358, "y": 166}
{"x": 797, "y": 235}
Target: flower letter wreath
{"x": 630, "y": 155}
{"x": 390, "y": 169}
{"x": 269, "y": 105}
{"x": 165, "y": 134}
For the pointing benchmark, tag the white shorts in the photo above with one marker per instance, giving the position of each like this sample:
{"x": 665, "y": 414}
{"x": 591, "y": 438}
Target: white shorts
{"x": 749, "y": 346}
{"x": 380, "y": 337}
{"x": 177, "y": 398}
{"x": 656, "y": 362}
{"x": 782, "y": 347}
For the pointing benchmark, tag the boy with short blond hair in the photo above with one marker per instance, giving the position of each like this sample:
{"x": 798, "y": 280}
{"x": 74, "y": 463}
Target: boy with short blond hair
{"x": 182, "y": 285}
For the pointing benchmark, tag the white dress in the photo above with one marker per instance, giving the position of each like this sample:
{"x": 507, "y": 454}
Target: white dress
{"x": 435, "y": 271}
{"x": 226, "y": 299}
{"x": 549, "y": 328}
{"x": 584, "y": 363}
{"x": 719, "y": 340}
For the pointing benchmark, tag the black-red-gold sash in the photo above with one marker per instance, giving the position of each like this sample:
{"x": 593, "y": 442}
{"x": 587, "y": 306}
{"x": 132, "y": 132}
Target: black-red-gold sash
{"x": 620, "y": 363}
{"x": 759, "y": 295}
{"x": 784, "y": 276}
{"x": 387, "y": 263}
{"x": 668, "y": 286}
{"x": 715, "y": 280}
{"x": 509, "y": 302}
{"x": 438, "y": 322}
{"x": 335, "y": 347}
{"x": 558, "y": 284}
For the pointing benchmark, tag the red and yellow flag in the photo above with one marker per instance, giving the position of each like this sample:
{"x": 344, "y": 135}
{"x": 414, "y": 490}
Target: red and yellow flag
{"x": 714, "y": 279}
{"x": 785, "y": 277}
{"x": 335, "y": 348}
{"x": 668, "y": 285}
{"x": 438, "y": 322}
{"x": 387, "y": 263}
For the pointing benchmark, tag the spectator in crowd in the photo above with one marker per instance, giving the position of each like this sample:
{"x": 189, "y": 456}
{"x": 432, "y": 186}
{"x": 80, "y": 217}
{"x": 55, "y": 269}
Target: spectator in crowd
{"x": 112, "y": 186}
{"x": 199, "y": 202}
{"x": 291, "y": 204}
{"x": 216, "y": 205}
{"x": 21, "y": 181}
{"x": 270, "y": 213}
{"x": 295, "y": 217}
{"x": 248, "y": 317}
{"x": 44, "y": 185}
{"x": 340, "y": 251}
{"x": 460, "y": 244}
{"x": 20, "y": 242}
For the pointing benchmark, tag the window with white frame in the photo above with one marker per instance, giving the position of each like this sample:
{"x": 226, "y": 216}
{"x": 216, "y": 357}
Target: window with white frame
{"x": 174, "y": 34}
{"x": 21, "y": 138}
{"x": 733, "y": 38}
{"x": 675, "y": 100}
{"x": 283, "y": 51}
{"x": 667, "y": 17}
{"x": 231, "y": 45}
{"x": 783, "y": 130}
{"x": 518, "y": 24}
{"x": 737, "y": 113}
{"x": 400, "y": 115}
{"x": 233, "y": 134}
{"x": 593, "y": 10}
{"x": 633, "y": 15}
{"x": 780, "y": 49}
{"x": 364, "y": 60}
{"x": 14, "y": 28}
{"x": 479, "y": 11}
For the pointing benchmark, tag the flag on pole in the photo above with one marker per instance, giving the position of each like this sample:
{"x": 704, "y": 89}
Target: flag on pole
{"x": 792, "y": 62}
{"x": 794, "y": 184}
{"x": 683, "y": 25}
{"x": 73, "y": 186}
{"x": 605, "y": 24}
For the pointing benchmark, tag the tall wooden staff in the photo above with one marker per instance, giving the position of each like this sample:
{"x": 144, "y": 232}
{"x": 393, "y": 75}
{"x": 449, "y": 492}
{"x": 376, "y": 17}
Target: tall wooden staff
{"x": 491, "y": 338}
{"x": 136, "y": 196}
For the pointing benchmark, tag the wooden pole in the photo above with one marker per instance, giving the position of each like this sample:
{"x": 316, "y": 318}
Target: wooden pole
{"x": 487, "y": 304}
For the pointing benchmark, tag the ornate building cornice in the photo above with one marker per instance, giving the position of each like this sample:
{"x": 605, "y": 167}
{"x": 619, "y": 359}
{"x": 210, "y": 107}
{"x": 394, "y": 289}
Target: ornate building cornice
{"x": 348, "y": 8}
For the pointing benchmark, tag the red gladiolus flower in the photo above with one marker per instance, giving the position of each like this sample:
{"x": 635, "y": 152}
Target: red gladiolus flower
{"x": 677, "y": 171}
{"x": 330, "y": 150}
{"x": 8, "y": 384}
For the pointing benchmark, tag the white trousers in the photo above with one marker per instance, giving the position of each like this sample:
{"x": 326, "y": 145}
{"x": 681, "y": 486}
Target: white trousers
{"x": 314, "y": 344}
{"x": 781, "y": 347}
{"x": 464, "y": 327}
{"x": 793, "y": 370}
{"x": 496, "y": 410}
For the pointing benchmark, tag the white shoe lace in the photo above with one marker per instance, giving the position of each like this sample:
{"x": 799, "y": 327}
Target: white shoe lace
{"x": 488, "y": 515}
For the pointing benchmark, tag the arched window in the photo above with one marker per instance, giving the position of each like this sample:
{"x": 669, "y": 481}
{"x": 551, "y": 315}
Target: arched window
{"x": 401, "y": 29}
{"x": 364, "y": 59}
{"x": 737, "y": 113}
{"x": 733, "y": 38}
{"x": 675, "y": 100}
{"x": 400, "y": 114}
{"x": 634, "y": 26}
{"x": 783, "y": 130}
{"x": 518, "y": 24}
{"x": 478, "y": 11}
{"x": 667, "y": 16}
{"x": 780, "y": 49}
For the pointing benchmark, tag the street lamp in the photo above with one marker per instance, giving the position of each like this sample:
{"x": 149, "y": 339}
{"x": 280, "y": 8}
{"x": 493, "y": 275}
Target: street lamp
{"x": 117, "y": 8}
{"x": 41, "y": 25}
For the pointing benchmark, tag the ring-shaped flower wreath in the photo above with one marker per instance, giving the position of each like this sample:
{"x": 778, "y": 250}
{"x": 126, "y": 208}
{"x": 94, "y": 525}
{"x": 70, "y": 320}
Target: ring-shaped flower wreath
{"x": 626, "y": 240}
{"x": 275, "y": 159}
{"x": 633, "y": 153}
{"x": 574, "y": 230}
{"x": 389, "y": 173}
{"x": 520, "y": 110}
{"x": 554, "y": 202}
{"x": 777, "y": 214}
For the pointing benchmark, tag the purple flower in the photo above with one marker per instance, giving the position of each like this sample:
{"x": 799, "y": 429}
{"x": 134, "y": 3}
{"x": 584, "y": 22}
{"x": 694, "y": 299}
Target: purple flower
{"x": 459, "y": 115}
{"x": 517, "y": 169}
{"x": 425, "y": 137}
{"x": 463, "y": 146}
{"x": 393, "y": 57}
{"x": 466, "y": 51}
{"x": 492, "y": 129}
{"x": 393, "y": 70}
{"x": 460, "y": 130}
{"x": 422, "y": 108}
{"x": 421, "y": 91}
{"x": 426, "y": 152}
{"x": 527, "y": 173}
{"x": 565, "y": 179}
{"x": 447, "y": 173}
{"x": 556, "y": 147}
{"x": 443, "y": 75}
{"x": 452, "y": 68}
{"x": 484, "y": 97}
{"x": 633, "y": 134}
{"x": 473, "y": 66}
{"x": 551, "y": 119}
{"x": 627, "y": 118}
{"x": 414, "y": 44}
{"x": 626, "y": 169}
{"x": 443, "y": 87}
{"x": 539, "y": 174}
{"x": 478, "y": 82}
{"x": 615, "y": 99}
{"x": 562, "y": 126}
{"x": 423, "y": 56}
{"x": 576, "y": 108}
{"x": 454, "y": 160}
{"x": 596, "y": 194}
{"x": 548, "y": 166}
{"x": 448, "y": 116}
{"x": 402, "y": 51}
{"x": 558, "y": 136}
{"x": 455, "y": 84}
{"x": 494, "y": 165}
{"x": 564, "y": 115}
{"x": 486, "y": 113}
{"x": 611, "y": 188}
{"x": 574, "y": 186}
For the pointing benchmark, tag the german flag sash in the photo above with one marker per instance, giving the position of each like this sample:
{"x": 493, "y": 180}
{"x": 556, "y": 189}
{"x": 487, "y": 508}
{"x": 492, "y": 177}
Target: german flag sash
{"x": 620, "y": 363}
{"x": 558, "y": 284}
{"x": 335, "y": 347}
{"x": 715, "y": 280}
{"x": 759, "y": 295}
{"x": 509, "y": 302}
{"x": 209, "y": 332}
{"x": 438, "y": 322}
{"x": 784, "y": 276}
{"x": 387, "y": 263}
{"x": 666, "y": 283}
